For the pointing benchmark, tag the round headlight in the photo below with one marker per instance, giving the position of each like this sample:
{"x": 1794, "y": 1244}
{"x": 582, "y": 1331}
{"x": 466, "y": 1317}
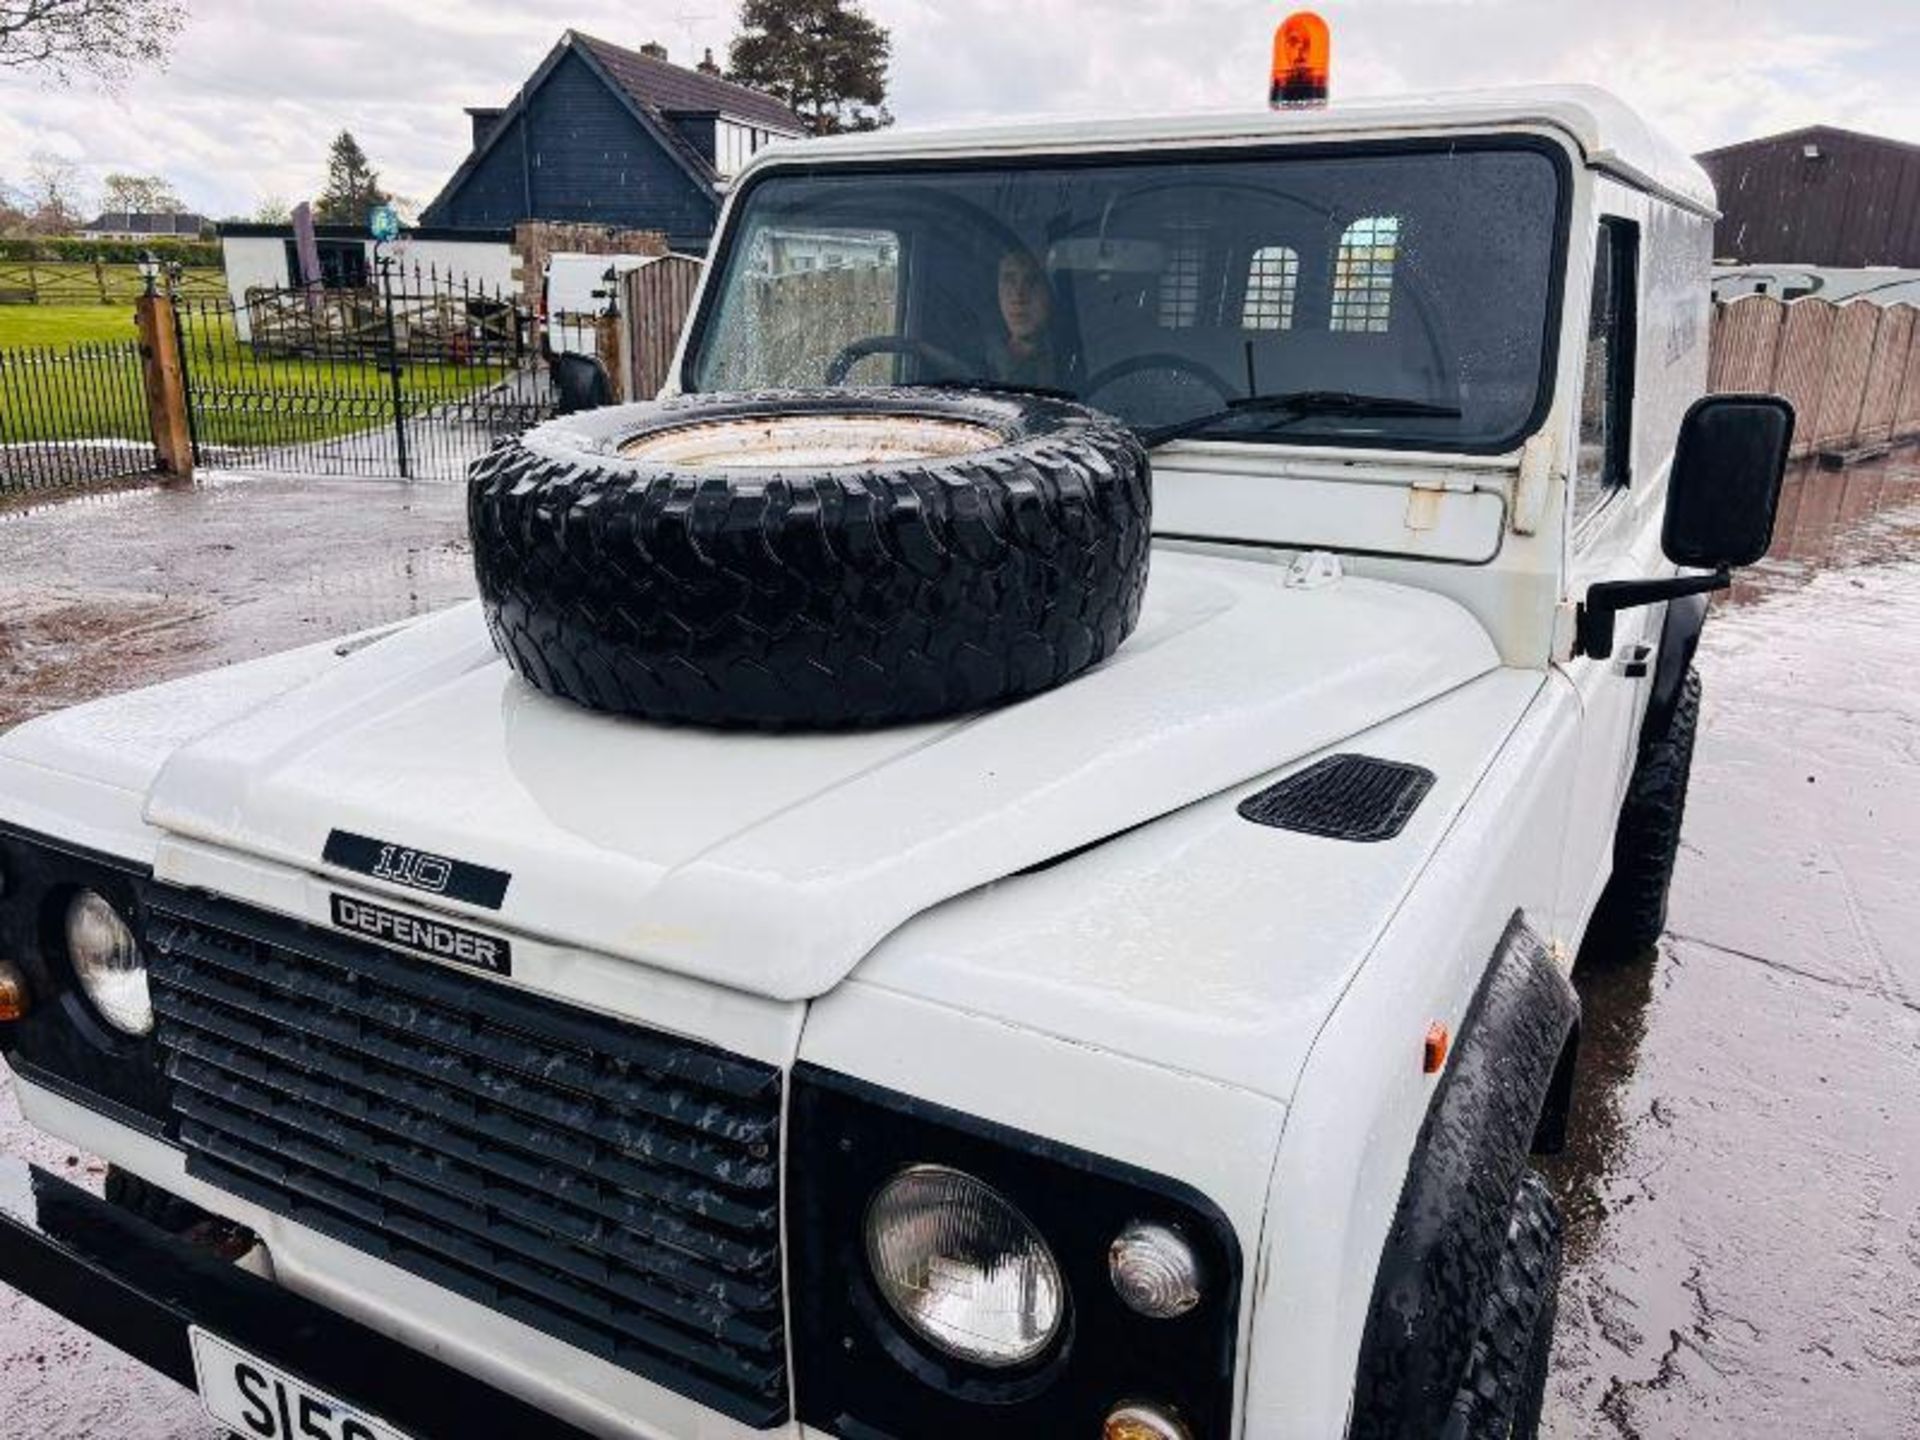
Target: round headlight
{"x": 106, "y": 961}
{"x": 963, "y": 1268}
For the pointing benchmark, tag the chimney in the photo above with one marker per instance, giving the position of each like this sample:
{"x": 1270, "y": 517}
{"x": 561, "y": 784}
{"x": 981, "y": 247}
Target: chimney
{"x": 484, "y": 117}
{"x": 706, "y": 65}
{"x": 654, "y": 49}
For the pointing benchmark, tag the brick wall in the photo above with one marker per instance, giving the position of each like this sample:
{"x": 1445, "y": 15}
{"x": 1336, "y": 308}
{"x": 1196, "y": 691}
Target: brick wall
{"x": 535, "y": 240}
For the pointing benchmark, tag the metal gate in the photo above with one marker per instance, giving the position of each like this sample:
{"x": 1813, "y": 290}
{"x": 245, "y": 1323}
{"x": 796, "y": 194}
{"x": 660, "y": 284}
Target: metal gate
{"x": 72, "y": 415}
{"x": 414, "y": 376}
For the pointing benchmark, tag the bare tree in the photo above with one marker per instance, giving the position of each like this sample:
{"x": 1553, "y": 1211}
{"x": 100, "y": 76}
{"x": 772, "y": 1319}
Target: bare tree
{"x": 108, "y": 39}
{"x": 52, "y": 195}
{"x": 13, "y": 213}
{"x": 272, "y": 210}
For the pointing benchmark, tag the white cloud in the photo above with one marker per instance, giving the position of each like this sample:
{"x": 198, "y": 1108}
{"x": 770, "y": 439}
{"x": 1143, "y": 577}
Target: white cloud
{"x": 258, "y": 89}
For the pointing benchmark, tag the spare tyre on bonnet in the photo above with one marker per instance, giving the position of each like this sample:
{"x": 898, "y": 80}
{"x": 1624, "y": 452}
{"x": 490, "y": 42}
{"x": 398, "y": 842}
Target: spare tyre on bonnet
{"x": 817, "y": 559}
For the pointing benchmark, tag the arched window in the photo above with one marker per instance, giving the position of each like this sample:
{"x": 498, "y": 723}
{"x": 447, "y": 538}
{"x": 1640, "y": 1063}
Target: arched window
{"x": 1363, "y": 274}
{"x": 1272, "y": 276}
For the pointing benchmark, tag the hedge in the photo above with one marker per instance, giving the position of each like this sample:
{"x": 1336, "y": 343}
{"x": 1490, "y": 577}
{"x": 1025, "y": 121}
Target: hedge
{"x": 111, "y": 252}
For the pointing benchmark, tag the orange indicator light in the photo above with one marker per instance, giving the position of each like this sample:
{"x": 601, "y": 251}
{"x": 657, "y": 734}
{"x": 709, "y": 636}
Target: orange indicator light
{"x": 1435, "y": 1053}
{"x": 1302, "y": 62}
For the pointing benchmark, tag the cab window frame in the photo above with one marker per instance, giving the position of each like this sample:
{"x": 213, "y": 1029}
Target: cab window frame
{"x": 1617, "y": 248}
{"x": 1538, "y": 142}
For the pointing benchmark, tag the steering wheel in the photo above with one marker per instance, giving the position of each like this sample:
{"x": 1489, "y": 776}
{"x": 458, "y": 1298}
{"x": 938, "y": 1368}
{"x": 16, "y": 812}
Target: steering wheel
{"x": 852, "y": 354}
{"x": 1160, "y": 360}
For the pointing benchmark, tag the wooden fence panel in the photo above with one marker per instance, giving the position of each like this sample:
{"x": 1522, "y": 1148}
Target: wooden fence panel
{"x": 1906, "y": 410}
{"x": 1746, "y": 344}
{"x": 81, "y": 282}
{"x": 1806, "y": 327}
{"x": 1852, "y": 371}
{"x": 1849, "y": 353}
{"x": 1886, "y": 373}
{"x": 654, "y": 303}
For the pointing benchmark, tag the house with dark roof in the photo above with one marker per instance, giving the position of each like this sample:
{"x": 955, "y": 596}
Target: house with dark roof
{"x": 146, "y": 225}
{"x": 605, "y": 135}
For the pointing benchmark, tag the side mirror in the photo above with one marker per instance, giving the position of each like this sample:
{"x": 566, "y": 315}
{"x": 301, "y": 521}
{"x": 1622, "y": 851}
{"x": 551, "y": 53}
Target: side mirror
{"x": 1722, "y": 493}
{"x": 582, "y": 383}
{"x": 1725, "y": 484}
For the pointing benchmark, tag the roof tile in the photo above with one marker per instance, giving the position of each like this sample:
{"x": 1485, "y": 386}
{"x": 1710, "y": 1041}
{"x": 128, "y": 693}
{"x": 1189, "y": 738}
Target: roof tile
{"x": 664, "y": 88}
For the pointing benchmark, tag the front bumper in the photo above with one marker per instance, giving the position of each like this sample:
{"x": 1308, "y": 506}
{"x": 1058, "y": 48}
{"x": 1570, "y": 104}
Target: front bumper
{"x": 140, "y": 1290}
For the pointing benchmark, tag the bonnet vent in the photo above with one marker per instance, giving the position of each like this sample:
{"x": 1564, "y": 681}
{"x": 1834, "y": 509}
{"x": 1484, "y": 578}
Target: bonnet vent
{"x": 1344, "y": 797}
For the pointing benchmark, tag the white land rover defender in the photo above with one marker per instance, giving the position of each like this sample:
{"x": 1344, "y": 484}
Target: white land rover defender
{"x": 891, "y": 918}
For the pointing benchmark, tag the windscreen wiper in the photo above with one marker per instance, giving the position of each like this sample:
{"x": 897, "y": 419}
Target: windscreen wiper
{"x": 1293, "y": 405}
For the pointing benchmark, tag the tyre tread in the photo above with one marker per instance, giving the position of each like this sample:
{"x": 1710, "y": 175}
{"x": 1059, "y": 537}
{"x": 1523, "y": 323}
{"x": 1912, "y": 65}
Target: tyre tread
{"x": 819, "y": 600}
{"x": 1646, "y": 845}
{"x": 1505, "y": 1384}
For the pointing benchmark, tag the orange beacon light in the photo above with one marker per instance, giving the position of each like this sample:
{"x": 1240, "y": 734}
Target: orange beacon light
{"x": 1302, "y": 57}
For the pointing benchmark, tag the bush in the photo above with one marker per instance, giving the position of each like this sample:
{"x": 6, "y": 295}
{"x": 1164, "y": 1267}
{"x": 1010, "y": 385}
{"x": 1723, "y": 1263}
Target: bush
{"x": 110, "y": 252}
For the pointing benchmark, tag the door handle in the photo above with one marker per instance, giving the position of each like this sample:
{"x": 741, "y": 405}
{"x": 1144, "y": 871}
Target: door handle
{"x": 1633, "y": 661}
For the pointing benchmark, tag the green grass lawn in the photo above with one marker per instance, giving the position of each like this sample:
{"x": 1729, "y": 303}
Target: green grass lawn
{"x": 64, "y": 325}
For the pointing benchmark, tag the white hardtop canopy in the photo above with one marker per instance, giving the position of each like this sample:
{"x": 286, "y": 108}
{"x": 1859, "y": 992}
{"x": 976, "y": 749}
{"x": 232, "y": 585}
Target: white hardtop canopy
{"x": 1609, "y": 134}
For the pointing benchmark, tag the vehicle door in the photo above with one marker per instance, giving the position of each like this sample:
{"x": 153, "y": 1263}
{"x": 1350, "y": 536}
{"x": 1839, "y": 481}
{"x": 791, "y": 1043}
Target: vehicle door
{"x": 1610, "y": 540}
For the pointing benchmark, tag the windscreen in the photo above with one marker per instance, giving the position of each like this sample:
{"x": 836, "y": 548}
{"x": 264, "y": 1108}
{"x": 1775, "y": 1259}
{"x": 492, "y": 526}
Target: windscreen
{"x": 1353, "y": 297}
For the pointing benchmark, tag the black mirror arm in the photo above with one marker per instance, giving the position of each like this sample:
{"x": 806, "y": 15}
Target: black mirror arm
{"x": 1593, "y": 622}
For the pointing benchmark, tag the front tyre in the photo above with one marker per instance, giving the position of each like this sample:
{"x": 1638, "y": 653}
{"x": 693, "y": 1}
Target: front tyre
{"x": 1506, "y": 1382}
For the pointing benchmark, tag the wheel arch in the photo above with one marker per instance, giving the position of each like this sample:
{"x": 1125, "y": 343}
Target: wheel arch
{"x": 1679, "y": 639}
{"x": 1510, "y": 1065}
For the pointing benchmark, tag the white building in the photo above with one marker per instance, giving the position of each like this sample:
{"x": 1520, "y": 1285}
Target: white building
{"x": 262, "y": 258}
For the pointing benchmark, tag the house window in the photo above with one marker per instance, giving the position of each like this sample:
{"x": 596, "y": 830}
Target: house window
{"x": 1605, "y": 460}
{"x": 1363, "y": 275}
{"x": 734, "y": 144}
{"x": 343, "y": 264}
{"x": 1273, "y": 275}
{"x": 727, "y": 147}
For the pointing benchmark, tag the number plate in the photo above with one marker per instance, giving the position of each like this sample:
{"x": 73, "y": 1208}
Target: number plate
{"x": 255, "y": 1399}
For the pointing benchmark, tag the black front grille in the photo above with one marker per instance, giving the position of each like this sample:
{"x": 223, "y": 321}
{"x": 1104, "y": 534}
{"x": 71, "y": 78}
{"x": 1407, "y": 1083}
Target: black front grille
{"x": 612, "y": 1186}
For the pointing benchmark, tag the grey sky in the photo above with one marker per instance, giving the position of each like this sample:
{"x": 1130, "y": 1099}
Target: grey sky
{"x": 258, "y": 87}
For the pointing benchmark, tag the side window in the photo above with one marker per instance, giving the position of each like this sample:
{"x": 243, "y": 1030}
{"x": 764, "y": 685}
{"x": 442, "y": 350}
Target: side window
{"x": 1273, "y": 274}
{"x": 1605, "y": 460}
{"x": 1363, "y": 275}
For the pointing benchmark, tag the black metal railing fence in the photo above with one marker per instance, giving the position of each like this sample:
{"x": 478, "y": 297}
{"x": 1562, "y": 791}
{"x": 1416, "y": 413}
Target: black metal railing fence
{"x": 414, "y": 376}
{"x": 72, "y": 415}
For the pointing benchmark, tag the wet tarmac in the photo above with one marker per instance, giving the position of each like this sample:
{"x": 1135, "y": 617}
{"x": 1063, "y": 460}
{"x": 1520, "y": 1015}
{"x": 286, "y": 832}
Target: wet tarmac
{"x": 113, "y": 591}
{"x": 1743, "y": 1190}
{"x": 1743, "y": 1187}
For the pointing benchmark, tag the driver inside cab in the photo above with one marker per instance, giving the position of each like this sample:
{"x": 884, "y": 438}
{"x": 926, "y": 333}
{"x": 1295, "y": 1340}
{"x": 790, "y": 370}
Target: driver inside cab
{"x": 1023, "y": 354}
